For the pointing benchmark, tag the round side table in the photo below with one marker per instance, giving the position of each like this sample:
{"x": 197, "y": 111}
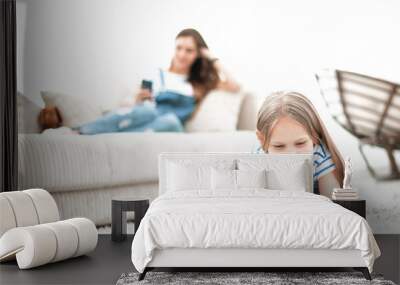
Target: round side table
{"x": 121, "y": 205}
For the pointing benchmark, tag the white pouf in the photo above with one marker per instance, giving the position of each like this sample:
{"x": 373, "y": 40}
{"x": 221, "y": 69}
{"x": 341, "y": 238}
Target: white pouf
{"x": 31, "y": 233}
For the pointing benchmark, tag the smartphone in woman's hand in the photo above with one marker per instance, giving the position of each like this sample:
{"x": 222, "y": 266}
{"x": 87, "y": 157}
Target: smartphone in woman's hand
{"x": 147, "y": 89}
{"x": 145, "y": 92}
{"x": 147, "y": 84}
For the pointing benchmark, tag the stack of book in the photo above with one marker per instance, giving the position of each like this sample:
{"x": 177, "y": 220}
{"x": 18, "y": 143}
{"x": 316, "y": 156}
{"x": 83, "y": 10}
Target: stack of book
{"x": 344, "y": 194}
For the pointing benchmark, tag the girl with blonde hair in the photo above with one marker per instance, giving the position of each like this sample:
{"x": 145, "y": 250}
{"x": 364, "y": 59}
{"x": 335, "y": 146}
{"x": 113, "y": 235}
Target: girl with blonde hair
{"x": 287, "y": 122}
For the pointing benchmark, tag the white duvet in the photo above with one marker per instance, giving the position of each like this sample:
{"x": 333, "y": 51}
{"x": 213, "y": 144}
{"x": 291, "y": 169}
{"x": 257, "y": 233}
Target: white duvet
{"x": 250, "y": 219}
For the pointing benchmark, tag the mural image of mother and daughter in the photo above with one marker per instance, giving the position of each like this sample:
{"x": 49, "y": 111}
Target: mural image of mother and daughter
{"x": 287, "y": 122}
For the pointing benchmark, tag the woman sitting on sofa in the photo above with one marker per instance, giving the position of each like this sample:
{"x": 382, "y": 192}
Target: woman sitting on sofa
{"x": 176, "y": 92}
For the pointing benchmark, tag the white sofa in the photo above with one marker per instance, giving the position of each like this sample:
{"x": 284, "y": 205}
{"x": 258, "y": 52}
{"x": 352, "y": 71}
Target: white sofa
{"x": 83, "y": 173}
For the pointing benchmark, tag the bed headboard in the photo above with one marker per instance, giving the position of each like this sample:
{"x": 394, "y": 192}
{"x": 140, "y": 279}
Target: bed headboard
{"x": 285, "y": 164}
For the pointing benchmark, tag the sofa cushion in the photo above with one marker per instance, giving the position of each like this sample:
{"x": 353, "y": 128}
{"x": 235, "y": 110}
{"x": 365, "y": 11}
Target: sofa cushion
{"x": 77, "y": 162}
{"x": 74, "y": 111}
{"x": 219, "y": 111}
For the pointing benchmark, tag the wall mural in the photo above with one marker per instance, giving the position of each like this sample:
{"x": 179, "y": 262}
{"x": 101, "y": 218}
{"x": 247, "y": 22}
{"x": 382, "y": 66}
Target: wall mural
{"x": 367, "y": 107}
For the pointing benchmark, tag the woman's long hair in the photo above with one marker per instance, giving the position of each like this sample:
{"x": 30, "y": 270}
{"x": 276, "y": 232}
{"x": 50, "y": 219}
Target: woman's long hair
{"x": 299, "y": 108}
{"x": 203, "y": 73}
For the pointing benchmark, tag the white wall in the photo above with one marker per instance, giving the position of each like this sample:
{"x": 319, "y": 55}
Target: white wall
{"x": 70, "y": 46}
{"x": 101, "y": 49}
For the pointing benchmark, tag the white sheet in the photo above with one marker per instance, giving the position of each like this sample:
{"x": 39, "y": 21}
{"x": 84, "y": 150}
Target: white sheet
{"x": 251, "y": 218}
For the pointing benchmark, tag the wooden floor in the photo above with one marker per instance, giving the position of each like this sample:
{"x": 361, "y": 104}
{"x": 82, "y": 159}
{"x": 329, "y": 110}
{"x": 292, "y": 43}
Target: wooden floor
{"x": 111, "y": 259}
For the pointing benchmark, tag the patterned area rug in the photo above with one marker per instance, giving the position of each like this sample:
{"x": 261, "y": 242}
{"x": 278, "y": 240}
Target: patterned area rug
{"x": 230, "y": 278}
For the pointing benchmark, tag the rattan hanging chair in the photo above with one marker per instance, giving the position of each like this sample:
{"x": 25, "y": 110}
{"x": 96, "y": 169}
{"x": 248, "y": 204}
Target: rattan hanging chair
{"x": 367, "y": 107}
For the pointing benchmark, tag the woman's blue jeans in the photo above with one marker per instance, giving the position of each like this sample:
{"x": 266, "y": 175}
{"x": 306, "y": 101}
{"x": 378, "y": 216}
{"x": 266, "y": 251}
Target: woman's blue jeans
{"x": 142, "y": 117}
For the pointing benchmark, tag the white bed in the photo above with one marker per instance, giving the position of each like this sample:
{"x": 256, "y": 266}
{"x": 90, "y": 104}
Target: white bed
{"x": 200, "y": 220}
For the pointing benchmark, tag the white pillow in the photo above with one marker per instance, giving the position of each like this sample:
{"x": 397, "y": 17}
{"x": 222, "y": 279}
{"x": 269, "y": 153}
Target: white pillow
{"x": 289, "y": 173}
{"x": 223, "y": 179}
{"x": 219, "y": 111}
{"x": 251, "y": 179}
{"x": 293, "y": 180}
{"x": 188, "y": 177}
{"x": 227, "y": 179}
{"x": 73, "y": 110}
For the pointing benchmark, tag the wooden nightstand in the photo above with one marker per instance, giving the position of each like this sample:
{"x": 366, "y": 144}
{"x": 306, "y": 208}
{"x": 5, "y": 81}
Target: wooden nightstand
{"x": 357, "y": 206}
